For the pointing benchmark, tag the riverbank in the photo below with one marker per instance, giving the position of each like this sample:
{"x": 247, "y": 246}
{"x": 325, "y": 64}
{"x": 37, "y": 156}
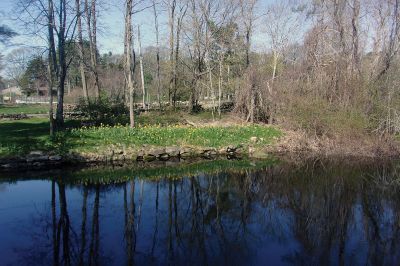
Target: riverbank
{"x": 26, "y": 144}
{"x": 300, "y": 144}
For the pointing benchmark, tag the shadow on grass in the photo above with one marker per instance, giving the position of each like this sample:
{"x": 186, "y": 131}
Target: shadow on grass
{"x": 24, "y": 136}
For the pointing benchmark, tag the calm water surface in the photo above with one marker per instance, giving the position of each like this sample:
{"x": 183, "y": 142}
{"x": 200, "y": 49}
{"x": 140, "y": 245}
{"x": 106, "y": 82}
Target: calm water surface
{"x": 312, "y": 213}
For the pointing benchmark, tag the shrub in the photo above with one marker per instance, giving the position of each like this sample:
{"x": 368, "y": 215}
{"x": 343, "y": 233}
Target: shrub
{"x": 104, "y": 111}
{"x": 319, "y": 118}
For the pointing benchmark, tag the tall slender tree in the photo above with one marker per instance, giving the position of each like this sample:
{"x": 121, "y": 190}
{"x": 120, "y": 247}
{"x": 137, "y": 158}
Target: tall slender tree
{"x": 91, "y": 22}
{"x": 80, "y": 48}
{"x": 129, "y": 58}
{"x": 157, "y": 32}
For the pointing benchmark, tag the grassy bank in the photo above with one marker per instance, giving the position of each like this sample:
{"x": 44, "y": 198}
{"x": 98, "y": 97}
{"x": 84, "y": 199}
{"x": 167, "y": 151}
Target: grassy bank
{"x": 18, "y": 138}
{"x": 24, "y": 109}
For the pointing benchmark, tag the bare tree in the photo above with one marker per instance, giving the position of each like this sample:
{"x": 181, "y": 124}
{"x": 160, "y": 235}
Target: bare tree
{"x": 157, "y": 31}
{"x": 91, "y": 23}
{"x": 129, "y": 58}
{"x": 141, "y": 70}
{"x": 247, "y": 8}
{"x": 393, "y": 45}
{"x": 280, "y": 23}
{"x": 171, "y": 4}
{"x": 181, "y": 15}
{"x": 355, "y": 22}
{"x": 81, "y": 52}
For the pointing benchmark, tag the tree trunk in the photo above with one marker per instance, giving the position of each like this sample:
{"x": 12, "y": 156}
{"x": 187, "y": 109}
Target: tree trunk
{"x": 50, "y": 94}
{"x": 355, "y": 37}
{"x": 248, "y": 33}
{"x": 274, "y": 65}
{"x": 129, "y": 65}
{"x": 157, "y": 54}
{"x": 81, "y": 52}
{"x": 178, "y": 36}
{"x": 92, "y": 31}
{"x": 62, "y": 66}
{"x": 171, "y": 24}
{"x": 52, "y": 67}
{"x": 220, "y": 85}
{"x": 141, "y": 70}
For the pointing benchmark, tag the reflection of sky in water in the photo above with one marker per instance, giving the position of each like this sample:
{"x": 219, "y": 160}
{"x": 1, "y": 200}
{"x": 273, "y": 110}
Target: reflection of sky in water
{"x": 232, "y": 218}
{"x": 3, "y": 187}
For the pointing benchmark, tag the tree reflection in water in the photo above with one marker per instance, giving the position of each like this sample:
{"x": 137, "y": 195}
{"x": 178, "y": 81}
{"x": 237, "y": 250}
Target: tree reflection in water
{"x": 315, "y": 213}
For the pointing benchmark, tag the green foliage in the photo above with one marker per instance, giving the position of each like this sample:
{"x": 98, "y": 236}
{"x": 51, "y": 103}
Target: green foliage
{"x": 34, "y": 76}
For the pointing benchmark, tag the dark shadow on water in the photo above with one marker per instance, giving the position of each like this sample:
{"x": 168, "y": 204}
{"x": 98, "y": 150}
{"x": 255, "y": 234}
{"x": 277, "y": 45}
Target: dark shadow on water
{"x": 220, "y": 213}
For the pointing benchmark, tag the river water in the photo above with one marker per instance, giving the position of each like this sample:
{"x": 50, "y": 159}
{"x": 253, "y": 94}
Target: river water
{"x": 209, "y": 213}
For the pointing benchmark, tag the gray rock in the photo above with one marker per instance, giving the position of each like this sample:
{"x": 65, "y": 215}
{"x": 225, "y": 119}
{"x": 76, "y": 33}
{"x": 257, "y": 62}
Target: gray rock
{"x": 187, "y": 152}
{"x": 38, "y": 164}
{"x": 209, "y": 153}
{"x": 156, "y": 152}
{"x": 254, "y": 139}
{"x": 223, "y": 151}
{"x": 173, "y": 151}
{"x": 164, "y": 157}
{"x": 149, "y": 158}
{"x": 36, "y": 153}
{"x": 9, "y": 166}
{"x": 55, "y": 158}
{"x": 37, "y": 159}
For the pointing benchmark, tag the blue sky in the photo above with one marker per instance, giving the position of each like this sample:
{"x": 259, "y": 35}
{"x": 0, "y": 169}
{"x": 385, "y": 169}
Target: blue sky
{"x": 111, "y": 26}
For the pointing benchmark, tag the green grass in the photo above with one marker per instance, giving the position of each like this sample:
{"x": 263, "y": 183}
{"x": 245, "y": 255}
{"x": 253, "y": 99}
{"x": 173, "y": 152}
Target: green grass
{"x": 24, "y": 109}
{"x": 216, "y": 137}
{"x": 21, "y": 137}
